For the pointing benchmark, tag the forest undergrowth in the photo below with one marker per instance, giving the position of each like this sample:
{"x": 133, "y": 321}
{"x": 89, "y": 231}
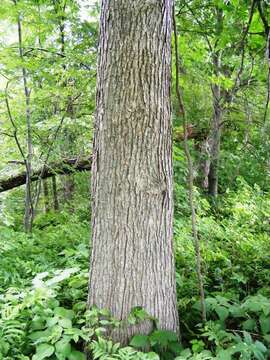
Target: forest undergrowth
{"x": 44, "y": 281}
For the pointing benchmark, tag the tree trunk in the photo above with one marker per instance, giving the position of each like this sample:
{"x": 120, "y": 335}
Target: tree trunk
{"x": 132, "y": 261}
{"x": 68, "y": 143}
{"x": 54, "y": 192}
{"x": 68, "y": 180}
{"x": 215, "y": 134}
{"x": 204, "y": 163}
{"x": 215, "y": 142}
{"x": 46, "y": 195}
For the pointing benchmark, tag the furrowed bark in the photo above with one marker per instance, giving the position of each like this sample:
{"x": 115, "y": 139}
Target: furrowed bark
{"x": 132, "y": 261}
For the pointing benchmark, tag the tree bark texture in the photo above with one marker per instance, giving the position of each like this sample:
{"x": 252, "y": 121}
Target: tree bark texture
{"x": 132, "y": 261}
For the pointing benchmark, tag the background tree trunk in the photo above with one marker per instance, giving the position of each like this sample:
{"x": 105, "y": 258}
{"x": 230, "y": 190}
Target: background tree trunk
{"x": 54, "y": 193}
{"x": 132, "y": 261}
{"x": 68, "y": 180}
{"x": 215, "y": 134}
{"x": 46, "y": 196}
{"x": 215, "y": 137}
{"x": 68, "y": 143}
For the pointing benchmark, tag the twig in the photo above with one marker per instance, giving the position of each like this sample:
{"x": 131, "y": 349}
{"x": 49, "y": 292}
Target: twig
{"x": 30, "y": 49}
{"x": 200, "y": 25}
{"x": 242, "y": 44}
{"x": 17, "y": 162}
{"x": 15, "y": 129}
{"x": 6, "y": 134}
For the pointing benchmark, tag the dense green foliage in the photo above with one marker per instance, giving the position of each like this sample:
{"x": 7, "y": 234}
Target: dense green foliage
{"x": 44, "y": 285}
{"x": 44, "y": 276}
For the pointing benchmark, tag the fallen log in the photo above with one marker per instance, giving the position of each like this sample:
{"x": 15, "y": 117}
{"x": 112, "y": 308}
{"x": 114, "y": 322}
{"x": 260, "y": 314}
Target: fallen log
{"x": 65, "y": 167}
{"x": 68, "y": 166}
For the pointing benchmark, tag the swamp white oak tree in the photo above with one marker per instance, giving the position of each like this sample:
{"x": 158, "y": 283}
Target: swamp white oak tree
{"x": 132, "y": 261}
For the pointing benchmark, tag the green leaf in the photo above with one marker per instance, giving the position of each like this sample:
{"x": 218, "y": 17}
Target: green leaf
{"x": 152, "y": 356}
{"x": 52, "y": 321}
{"x": 64, "y": 313}
{"x": 222, "y": 312}
{"x": 40, "y": 335}
{"x": 249, "y": 324}
{"x": 224, "y": 355}
{"x": 63, "y": 347}
{"x": 237, "y": 311}
{"x": 140, "y": 341}
{"x": 56, "y": 333}
{"x": 140, "y": 313}
{"x": 43, "y": 351}
{"x": 258, "y": 355}
{"x": 265, "y": 324}
{"x": 267, "y": 338}
{"x": 175, "y": 347}
{"x": 132, "y": 319}
{"x": 76, "y": 355}
{"x": 185, "y": 354}
{"x": 4, "y": 348}
{"x": 248, "y": 338}
{"x": 163, "y": 337}
{"x": 260, "y": 346}
{"x": 37, "y": 324}
{"x": 65, "y": 323}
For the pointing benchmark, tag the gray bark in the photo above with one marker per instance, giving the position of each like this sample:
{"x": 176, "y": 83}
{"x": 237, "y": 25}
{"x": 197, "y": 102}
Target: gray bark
{"x": 132, "y": 261}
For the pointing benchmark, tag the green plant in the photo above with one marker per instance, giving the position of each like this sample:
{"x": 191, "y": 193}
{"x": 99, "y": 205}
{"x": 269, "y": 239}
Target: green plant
{"x": 32, "y": 321}
{"x": 163, "y": 342}
{"x": 106, "y": 350}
